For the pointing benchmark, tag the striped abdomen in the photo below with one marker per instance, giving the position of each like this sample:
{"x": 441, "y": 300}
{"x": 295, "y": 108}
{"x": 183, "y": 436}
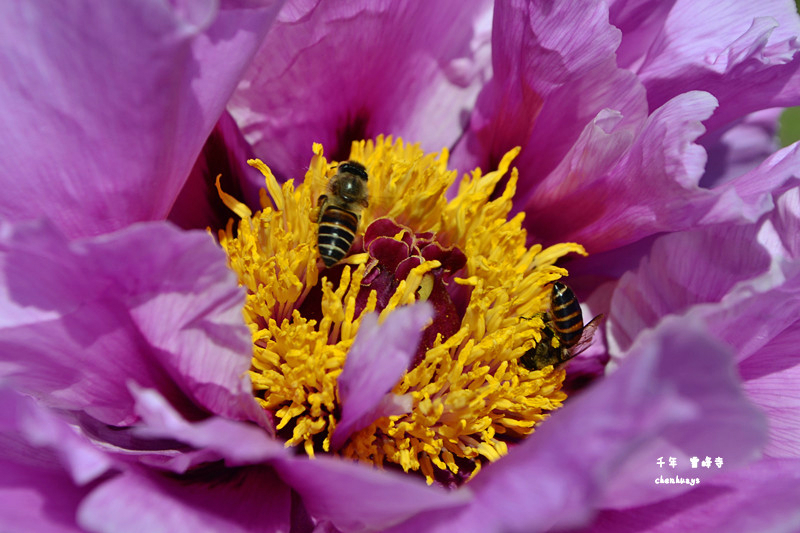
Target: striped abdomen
{"x": 337, "y": 231}
{"x": 566, "y": 314}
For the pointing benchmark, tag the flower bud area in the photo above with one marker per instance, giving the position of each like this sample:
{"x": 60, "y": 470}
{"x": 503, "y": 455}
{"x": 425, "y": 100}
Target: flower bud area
{"x": 470, "y": 399}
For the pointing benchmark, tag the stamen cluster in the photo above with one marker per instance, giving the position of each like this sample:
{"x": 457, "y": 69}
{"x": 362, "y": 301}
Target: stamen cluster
{"x": 470, "y": 397}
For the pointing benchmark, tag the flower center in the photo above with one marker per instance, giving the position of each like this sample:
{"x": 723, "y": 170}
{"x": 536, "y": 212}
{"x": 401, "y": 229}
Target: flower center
{"x": 470, "y": 396}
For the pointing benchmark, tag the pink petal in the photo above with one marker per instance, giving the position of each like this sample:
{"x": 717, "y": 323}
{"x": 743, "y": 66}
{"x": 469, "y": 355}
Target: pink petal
{"x": 47, "y": 467}
{"x": 334, "y": 73}
{"x": 787, "y": 221}
{"x": 749, "y": 196}
{"x": 729, "y": 277}
{"x": 640, "y": 22}
{"x": 676, "y": 393}
{"x": 770, "y": 378}
{"x": 734, "y": 280}
{"x": 104, "y": 119}
{"x": 359, "y": 497}
{"x": 42, "y": 429}
{"x": 238, "y": 443}
{"x": 224, "y": 154}
{"x": 36, "y": 498}
{"x": 219, "y": 499}
{"x": 740, "y": 149}
{"x": 761, "y": 497}
{"x": 375, "y": 363}
{"x": 682, "y": 270}
{"x": 605, "y": 203}
{"x": 554, "y": 71}
{"x": 744, "y": 53}
{"x": 151, "y": 304}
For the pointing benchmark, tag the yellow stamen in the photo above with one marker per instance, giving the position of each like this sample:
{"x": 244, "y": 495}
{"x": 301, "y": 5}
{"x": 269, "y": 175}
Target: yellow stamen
{"x": 470, "y": 396}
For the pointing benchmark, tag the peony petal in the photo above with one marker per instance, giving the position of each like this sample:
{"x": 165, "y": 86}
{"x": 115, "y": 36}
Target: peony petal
{"x": 752, "y": 192}
{"x": 105, "y": 119}
{"x": 251, "y": 499}
{"x": 723, "y": 422}
{"x": 42, "y": 429}
{"x": 360, "y": 498}
{"x": 741, "y": 274}
{"x": 682, "y": 270}
{"x": 126, "y": 446}
{"x": 150, "y": 304}
{"x": 193, "y": 320}
{"x": 744, "y": 53}
{"x": 787, "y": 221}
{"x": 238, "y": 443}
{"x": 606, "y": 203}
{"x": 46, "y": 465}
{"x": 544, "y": 56}
{"x": 640, "y": 22}
{"x": 676, "y": 393}
{"x": 761, "y": 497}
{"x": 37, "y": 497}
{"x": 225, "y": 154}
{"x": 770, "y": 378}
{"x": 376, "y": 361}
{"x": 727, "y": 277}
{"x": 654, "y": 188}
{"x": 591, "y": 174}
{"x": 733, "y": 280}
{"x": 401, "y": 68}
{"x": 740, "y": 149}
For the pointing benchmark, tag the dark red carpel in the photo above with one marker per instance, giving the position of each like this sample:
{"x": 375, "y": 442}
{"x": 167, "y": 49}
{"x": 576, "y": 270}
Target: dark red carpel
{"x": 391, "y": 261}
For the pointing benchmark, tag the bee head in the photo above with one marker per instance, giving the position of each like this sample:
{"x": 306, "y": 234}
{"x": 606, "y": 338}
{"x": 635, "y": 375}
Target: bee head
{"x": 354, "y": 168}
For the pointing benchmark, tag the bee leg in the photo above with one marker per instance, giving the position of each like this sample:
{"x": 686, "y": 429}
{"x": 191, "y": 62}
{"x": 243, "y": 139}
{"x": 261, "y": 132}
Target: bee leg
{"x": 316, "y": 213}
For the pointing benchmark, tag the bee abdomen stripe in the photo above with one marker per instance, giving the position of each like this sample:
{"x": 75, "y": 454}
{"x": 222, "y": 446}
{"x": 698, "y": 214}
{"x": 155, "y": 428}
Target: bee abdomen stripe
{"x": 329, "y": 229}
{"x": 335, "y": 215}
{"x": 337, "y": 225}
{"x": 337, "y": 231}
{"x": 561, "y": 302}
{"x": 331, "y": 251}
{"x": 334, "y": 239}
{"x": 570, "y": 322}
{"x": 568, "y": 340}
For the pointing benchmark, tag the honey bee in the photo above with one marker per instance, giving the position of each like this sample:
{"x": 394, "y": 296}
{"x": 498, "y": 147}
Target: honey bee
{"x": 564, "y": 335}
{"x": 340, "y": 211}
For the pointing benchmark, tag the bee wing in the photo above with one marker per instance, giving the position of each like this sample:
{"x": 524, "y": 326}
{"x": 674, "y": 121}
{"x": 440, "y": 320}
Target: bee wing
{"x": 586, "y": 336}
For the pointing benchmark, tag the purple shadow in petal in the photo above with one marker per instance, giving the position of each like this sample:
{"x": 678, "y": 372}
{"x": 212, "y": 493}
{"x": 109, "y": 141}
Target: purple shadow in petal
{"x": 358, "y": 497}
{"x": 211, "y": 499}
{"x": 47, "y": 467}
